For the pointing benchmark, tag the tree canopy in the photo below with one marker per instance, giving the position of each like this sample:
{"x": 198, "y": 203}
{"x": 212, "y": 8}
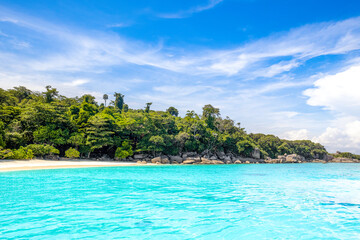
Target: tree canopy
{"x": 45, "y": 123}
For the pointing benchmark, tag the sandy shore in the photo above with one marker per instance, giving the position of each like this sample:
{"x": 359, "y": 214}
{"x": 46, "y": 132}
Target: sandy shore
{"x": 20, "y": 165}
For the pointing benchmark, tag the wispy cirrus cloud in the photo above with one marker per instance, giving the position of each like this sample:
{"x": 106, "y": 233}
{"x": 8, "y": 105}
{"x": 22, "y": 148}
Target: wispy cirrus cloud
{"x": 119, "y": 25}
{"x": 7, "y": 19}
{"x": 77, "y": 61}
{"x": 189, "y": 12}
{"x": 78, "y": 51}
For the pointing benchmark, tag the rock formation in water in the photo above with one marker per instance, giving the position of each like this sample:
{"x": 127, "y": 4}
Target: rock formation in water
{"x": 189, "y": 158}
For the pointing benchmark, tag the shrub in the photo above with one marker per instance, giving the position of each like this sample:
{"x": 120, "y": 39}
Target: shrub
{"x": 6, "y": 154}
{"x": 124, "y": 151}
{"x": 72, "y": 153}
{"x": 121, "y": 153}
{"x": 14, "y": 139}
{"x": 41, "y": 150}
{"x": 245, "y": 147}
{"x": 23, "y": 153}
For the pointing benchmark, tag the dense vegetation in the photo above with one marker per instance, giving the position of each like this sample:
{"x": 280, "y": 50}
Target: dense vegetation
{"x": 346, "y": 155}
{"x": 47, "y": 123}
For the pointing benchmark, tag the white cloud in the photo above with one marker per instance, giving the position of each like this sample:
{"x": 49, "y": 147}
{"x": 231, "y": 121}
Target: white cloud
{"x": 77, "y": 82}
{"x": 275, "y": 69}
{"x": 118, "y": 25}
{"x": 3, "y": 34}
{"x": 343, "y": 138}
{"x": 80, "y": 51}
{"x": 189, "y": 12}
{"x": 191, "y": 78}
{"x": 7, "y": 19}
{"x": 301, "y": 134}
{"x": 339, "y": 92}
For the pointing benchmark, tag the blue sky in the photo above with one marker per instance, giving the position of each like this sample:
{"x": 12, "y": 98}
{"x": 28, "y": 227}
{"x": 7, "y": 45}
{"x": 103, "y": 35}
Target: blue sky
{"x": 289, "y": 68}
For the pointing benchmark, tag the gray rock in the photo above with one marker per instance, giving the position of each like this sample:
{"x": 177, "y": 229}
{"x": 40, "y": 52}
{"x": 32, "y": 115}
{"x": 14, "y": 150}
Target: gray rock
{"x": 270, "y": 160}
{"x": 250, "y": 160}
{"x": 345, "y": 160}
{"x": 328, "y": 157}
{"x": 103, "y": 158}
{"x": 204, "y": 153}
{"x": 140, "y": 156}
{"x": 217, "y": 162}
{"x": 256, "y": 153}
{"x": 221, "y": 155}
{"x": 281, "y": 158}
{"x": 189, "y": 161}
{"x": 156, "y": 160}
{"x": 293, "y": 158}
{"x": 177, "y": 159}
{"x": 206, "y": 161}
{"x": 165, "y": 160}
{"x": 318, "y": 161}
{"x": 189, "y": 154}
{"x": 195, "y": 159}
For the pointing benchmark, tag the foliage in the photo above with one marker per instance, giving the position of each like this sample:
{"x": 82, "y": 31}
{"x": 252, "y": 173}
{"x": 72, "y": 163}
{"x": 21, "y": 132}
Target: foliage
{"x": 346, "y": 155}
{"x": 173, "y": 111}
{"x": 119, "y": 101}
{"x": 274, "y": 146}
{"x": 50, "y": 94}
{"x": 105, "y": 97}
{"x": 41, "y": 150}
{"x": 2, "y": 134}
{"x": 72, "y": 153}
{"x": 245, "y": 147}
{"x": 156, "y": 143}
{"x": 6, "y": 154}
{"x": 147, "y": 108}
{"x": 100, "y": 131}
{"x": 23, "y": 153}
{"x": 47, "y": 123}
{"x": 51, "y": 134}
{"x": 210, "y": 114}
{"x": 124, "y": 151}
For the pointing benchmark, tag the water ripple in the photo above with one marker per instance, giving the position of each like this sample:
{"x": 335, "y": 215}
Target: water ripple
{"x": 299, "y": 201}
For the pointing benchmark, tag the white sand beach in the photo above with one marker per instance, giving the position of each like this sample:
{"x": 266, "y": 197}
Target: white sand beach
{"x": 20, "y": 165}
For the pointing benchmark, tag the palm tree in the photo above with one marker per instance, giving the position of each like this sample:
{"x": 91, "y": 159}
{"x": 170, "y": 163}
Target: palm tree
{"x": 105, "y": 97}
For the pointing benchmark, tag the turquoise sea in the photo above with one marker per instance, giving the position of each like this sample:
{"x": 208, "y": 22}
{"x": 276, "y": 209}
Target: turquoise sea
{"x": 272, "y": 201}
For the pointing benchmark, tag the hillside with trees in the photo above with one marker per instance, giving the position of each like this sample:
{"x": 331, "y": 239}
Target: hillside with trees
{"x": 38, "y": 124}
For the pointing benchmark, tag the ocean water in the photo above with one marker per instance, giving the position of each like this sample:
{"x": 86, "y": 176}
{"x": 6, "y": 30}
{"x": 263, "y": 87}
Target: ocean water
{"x": 280, "y": 201}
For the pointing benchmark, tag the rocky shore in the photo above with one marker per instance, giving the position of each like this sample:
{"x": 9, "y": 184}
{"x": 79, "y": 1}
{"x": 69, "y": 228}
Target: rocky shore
{"x": 222, "y": 158}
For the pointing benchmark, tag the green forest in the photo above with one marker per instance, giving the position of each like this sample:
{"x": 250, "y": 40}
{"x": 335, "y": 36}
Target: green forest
{"x": 39, "y": 124}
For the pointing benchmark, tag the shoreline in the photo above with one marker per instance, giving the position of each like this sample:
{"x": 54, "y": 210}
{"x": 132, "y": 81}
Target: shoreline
{"x": 38, "y": 164}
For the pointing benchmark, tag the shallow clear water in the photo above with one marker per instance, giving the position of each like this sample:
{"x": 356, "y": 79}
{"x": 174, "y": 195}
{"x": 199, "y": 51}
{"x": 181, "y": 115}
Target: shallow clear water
{"x": 282, "y": 201}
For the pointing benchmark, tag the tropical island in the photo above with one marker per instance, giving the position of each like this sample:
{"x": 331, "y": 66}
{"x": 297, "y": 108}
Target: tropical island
{"x": 47, "y": 125}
